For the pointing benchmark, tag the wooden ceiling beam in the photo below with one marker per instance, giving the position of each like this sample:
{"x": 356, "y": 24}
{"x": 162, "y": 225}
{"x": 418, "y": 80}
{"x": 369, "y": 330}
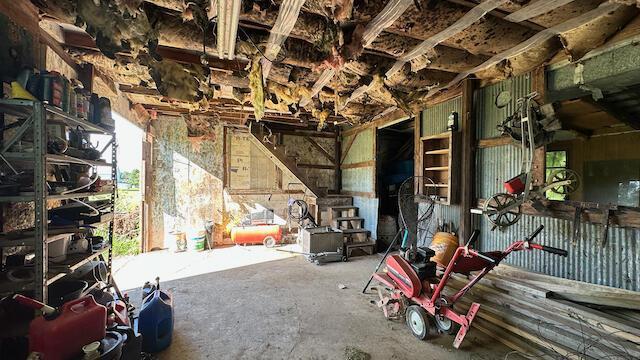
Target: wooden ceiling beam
{"x": 82, "y": 40}
{"x": 499, "y": 14}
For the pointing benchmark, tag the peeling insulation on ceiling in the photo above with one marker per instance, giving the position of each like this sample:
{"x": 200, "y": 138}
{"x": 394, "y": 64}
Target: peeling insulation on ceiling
{"x": 257, "y": 88}
{"x": 164, "y": 51}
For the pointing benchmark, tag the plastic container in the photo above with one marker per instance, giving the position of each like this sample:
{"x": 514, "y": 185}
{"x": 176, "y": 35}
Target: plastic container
{"x": 64, "y": 291}
{"x": 179, "y": 240}
{"x": 516, "y": 185}
{"x": 155, "y": 322}
{"x": 79, "y": 323}
{"x": 196, "y": 240}
{"x": 445, "y": 245}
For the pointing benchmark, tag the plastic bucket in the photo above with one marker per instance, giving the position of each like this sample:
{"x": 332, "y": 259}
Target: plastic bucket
{"x": 196, "y": 240}
{"x": 445, "y": 245}
{"x": 178, "y": 239}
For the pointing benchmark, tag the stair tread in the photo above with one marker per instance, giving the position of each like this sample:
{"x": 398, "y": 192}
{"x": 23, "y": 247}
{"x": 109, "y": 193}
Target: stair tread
{"x": 348, "y": 218}
{"x": 343, "y": 207}
{"x": 361, "y": 244}
{"x": 354, "y": 231}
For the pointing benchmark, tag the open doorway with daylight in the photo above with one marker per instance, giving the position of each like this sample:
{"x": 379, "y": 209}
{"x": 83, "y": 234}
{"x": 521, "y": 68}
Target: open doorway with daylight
{"x": 127, "y": 221}
{"x": 394, "y": 156}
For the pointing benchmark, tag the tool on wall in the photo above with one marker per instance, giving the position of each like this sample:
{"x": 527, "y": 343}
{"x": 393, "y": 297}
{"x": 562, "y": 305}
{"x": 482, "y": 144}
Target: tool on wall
{"x": 606, "y": 216}
{"x": 532, "y": 126}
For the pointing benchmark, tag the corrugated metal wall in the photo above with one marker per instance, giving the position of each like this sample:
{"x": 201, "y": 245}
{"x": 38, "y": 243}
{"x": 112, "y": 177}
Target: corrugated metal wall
{"x": 361, "y": 179}
{"x": 487, "y": 114}
{"x": 617, "y": 264}
{"x": 434, "y": 121}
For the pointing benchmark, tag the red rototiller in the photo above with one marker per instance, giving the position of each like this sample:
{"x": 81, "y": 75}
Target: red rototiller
{"x": 416, "y": 292}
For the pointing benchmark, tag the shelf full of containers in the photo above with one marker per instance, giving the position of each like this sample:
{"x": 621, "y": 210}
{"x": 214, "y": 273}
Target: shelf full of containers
{"x": 53, "y": 167}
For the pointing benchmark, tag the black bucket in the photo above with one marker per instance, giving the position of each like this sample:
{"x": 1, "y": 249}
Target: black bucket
{"x": 64, "y": 291}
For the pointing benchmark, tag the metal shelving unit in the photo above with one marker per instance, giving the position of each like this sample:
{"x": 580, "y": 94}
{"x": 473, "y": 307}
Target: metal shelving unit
{"x": 37, "y": 116}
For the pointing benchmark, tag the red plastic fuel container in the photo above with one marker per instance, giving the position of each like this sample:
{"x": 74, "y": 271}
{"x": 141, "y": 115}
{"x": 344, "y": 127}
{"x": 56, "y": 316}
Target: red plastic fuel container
{"x": 62, "y": 337}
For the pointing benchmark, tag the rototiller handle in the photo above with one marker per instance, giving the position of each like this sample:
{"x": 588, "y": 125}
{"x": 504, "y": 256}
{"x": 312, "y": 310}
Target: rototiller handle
{"x": 535, "y": 233}
{"x": 548, "y": 249}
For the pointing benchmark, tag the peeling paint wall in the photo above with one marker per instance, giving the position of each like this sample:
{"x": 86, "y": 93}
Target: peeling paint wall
{"x": 186, "y": 185}
{"x": 305, "y": 153}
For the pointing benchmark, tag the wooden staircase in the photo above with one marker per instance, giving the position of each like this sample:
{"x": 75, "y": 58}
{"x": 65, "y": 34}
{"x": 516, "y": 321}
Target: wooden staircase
{"x": 278, "y": 154}
{"x": 345, "y": 218}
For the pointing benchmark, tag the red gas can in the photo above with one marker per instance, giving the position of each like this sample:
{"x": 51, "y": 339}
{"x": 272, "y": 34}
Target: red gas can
{"x": 79, "y": 323}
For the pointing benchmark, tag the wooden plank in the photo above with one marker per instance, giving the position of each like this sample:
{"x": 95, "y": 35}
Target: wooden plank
{"x": 468, "y": 130}
{"x": 55, "y": 46}
{"x": 22, "y": 13}
{"x": 368, "y": 163}
{"x": 624, "y": 216}
{"x": 320, "y": 149}
{"x": 338, "y": 150}
{"x": 359, "y": 193}
{"x": 348, "y": 147}
{"x": 316, "y": 166}
{"x": 83, "y": 40}
{"x": 492, "y": 142}
{"x": 302, "y": 133}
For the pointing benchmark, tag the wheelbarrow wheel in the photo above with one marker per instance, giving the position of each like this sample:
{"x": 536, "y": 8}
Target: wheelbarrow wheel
{"x": 495, "y": 206}
{"x": 418, "y": 321}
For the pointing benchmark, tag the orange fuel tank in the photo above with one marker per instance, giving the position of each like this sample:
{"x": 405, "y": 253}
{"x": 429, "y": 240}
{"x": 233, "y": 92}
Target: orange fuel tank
{"x": 268, "y": 235}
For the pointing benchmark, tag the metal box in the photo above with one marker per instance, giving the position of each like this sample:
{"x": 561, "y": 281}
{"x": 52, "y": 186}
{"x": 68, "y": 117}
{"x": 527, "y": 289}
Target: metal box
{"x": 321, "y": 239}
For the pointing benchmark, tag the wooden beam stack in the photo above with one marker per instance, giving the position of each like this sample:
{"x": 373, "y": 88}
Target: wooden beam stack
{"x": 531, "y": 314}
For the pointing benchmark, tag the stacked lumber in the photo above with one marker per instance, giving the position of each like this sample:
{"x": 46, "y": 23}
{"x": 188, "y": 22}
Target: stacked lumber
{"x": 539, "y": 316}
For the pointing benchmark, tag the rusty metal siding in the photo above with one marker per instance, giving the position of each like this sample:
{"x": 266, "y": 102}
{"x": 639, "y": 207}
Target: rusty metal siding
{"x": 434, "y": 119}
{"x": 488, "y": 116}
{"x": 494, "y": 166}
{"x": 361, "y": 179}
{"x": 617, "y": 264}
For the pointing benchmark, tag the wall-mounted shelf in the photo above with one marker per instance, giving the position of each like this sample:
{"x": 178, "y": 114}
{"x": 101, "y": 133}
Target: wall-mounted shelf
{"x": 440, "y": 161}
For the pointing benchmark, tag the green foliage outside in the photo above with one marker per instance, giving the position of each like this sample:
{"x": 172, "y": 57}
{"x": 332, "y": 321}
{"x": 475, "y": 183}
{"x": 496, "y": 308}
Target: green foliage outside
{"x": 131, "y": 177}
{"x": 555, "y": 160}
{"x": 126, "y": 240}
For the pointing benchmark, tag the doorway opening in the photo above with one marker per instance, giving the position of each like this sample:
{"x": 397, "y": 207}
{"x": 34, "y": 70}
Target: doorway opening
{"x": 394, "y": 157}
{"x": 127, "y": 215}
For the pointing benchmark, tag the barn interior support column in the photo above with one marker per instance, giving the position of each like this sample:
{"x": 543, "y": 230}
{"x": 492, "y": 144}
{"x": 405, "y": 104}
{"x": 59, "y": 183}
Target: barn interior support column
{"x": 468, "y": 130}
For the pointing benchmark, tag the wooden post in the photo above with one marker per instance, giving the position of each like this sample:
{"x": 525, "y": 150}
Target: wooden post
{"x": 538, "y": 84}
{"x": 338, "y": 156}
{"x": 468, "y": 130}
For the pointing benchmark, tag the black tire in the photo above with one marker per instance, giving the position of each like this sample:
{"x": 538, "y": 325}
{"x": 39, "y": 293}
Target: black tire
{"x": 269, "y": 242}
{"x": 418, "y": 321}
{"x": 344, "y": 258}
{"x": 446, "y": 326}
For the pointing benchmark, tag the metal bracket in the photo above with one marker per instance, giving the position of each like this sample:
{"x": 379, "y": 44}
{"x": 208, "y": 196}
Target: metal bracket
{"x": 18, "y": 135}
{"x": 576, "y": 225}
{"x": 606, "y": 213}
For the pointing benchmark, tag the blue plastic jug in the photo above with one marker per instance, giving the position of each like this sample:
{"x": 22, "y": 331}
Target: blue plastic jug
{"x": 155, "y": 322}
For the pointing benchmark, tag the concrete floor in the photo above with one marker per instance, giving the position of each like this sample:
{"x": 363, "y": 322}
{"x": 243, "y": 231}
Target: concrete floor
{"x": 257, "y": 303}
